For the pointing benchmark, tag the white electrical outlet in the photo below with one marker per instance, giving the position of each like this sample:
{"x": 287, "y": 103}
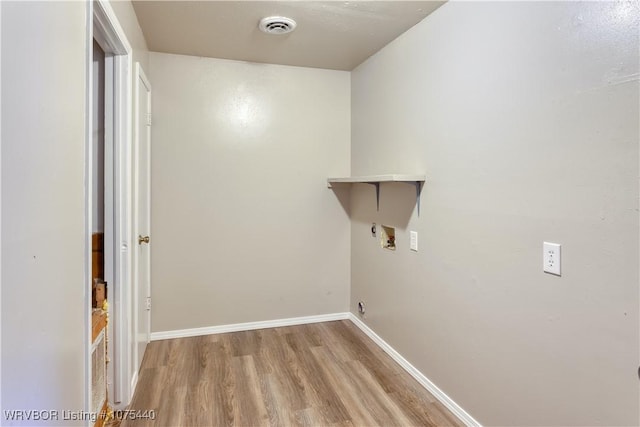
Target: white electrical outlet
{"x": 551, "y": 258}
{"x": 413, "y": 240}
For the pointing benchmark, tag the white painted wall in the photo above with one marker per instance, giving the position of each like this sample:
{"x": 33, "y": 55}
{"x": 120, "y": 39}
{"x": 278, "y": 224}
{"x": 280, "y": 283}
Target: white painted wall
{"x": 129, "y": 23}
{"x": 524, "y": 117}
{"x": 43, "y": 207}
{"x": 38, "y": 199}
{"x": 243, "y": 225}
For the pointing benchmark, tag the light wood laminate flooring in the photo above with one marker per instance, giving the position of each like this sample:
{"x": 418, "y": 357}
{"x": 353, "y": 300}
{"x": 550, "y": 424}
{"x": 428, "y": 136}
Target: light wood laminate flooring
{"x": 321, "y": 374}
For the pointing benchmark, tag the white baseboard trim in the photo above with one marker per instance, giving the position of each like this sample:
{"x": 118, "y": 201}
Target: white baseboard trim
{"x": 415, "y": 373}
{"x": 249, "y": 326}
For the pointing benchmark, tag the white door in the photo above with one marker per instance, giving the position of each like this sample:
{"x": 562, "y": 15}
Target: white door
{"x": 142, "y": 215}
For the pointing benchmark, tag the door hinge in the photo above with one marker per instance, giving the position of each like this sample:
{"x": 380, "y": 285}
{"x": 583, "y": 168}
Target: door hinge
{"x": 148, "y": 119}
{"x": 148, "y": 303}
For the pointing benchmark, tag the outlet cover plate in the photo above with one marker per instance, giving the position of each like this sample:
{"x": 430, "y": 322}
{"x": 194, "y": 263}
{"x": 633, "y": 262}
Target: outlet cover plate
{"x": 551, "y": 258}
{"x": 413, "y": 239}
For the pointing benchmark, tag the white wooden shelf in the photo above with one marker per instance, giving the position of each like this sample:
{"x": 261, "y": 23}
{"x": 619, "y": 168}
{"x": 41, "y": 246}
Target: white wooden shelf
{"x": 372, "y": 179}
{"x": 375, "y": 180}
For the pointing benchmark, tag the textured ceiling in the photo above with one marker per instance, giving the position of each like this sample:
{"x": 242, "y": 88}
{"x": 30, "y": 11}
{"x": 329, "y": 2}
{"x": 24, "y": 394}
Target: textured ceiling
{"x": 330, "y": 34}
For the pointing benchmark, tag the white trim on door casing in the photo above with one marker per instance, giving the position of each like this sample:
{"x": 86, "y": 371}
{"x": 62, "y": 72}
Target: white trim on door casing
{"x": 88, "y": 208}
{"x": 1, "y": 182}
{"x": 103, "y": 25}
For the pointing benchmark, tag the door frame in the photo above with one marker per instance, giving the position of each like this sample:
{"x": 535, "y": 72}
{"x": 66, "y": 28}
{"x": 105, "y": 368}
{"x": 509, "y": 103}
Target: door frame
{"x": 103, "y": 26}
{"x": 140, "y": 78}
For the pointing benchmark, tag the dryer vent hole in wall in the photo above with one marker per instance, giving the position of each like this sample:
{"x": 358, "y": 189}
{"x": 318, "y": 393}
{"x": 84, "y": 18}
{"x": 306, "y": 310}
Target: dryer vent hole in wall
{"x": 388, "y": 238}
{"x": 361, "y": 308}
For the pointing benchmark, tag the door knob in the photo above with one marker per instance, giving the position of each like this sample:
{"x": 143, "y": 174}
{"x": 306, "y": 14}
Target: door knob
{"x": 142, "y": 240}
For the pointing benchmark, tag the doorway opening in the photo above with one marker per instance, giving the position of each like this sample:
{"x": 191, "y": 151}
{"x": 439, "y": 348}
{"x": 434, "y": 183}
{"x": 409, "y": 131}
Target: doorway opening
{"x": 99, "y": 284}
{"x": 108, "y": 210}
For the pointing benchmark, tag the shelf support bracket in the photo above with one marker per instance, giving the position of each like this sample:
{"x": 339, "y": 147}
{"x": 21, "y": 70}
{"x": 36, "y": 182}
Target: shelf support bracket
{"x": 418, "y": 185}
{"x": 377, "y": 185}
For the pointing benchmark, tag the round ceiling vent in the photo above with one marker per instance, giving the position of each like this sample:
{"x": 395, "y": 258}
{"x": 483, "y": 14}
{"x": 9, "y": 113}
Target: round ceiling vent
{"x": 277, "y": 25}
